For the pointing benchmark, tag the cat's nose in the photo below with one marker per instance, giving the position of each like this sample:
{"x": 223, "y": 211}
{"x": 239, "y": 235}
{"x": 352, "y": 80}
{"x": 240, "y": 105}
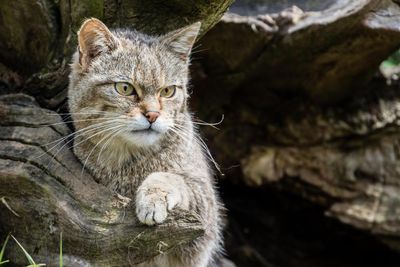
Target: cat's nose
{"x": 152, "y": 116}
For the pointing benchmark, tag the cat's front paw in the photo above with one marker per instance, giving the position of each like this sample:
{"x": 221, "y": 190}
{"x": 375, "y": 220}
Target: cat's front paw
{"x": 155, "y": 200}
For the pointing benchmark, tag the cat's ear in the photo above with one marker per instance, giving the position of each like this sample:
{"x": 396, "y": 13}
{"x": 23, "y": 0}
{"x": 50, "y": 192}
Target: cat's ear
{"x": 181, "y": 41}
{"x": 94, "y": 38}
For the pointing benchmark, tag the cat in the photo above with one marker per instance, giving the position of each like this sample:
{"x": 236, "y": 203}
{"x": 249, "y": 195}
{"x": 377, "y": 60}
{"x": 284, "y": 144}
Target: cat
{"x": 128, "y": 101}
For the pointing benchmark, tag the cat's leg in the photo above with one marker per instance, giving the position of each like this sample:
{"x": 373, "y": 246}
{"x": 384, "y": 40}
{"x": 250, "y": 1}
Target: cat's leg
{"x": 160, "y": 192}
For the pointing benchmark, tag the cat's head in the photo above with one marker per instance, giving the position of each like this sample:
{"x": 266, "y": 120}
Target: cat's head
{"x": 130, "y": 86}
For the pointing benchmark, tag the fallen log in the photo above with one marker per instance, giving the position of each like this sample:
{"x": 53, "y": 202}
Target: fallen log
{"x": 326, "y": 55}
{"x": 303, "y": 111}
{"x": 39, "y": 37}
{"x": 44, "y": 190}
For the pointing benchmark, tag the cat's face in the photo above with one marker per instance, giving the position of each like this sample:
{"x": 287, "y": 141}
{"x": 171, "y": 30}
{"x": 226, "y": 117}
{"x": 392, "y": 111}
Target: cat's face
{"x": 128, "y": 86}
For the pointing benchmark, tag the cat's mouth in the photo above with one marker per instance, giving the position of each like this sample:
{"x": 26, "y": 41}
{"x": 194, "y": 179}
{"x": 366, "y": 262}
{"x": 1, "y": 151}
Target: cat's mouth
{"x": 147, "y": 130}
{"x": 144, "y": 137}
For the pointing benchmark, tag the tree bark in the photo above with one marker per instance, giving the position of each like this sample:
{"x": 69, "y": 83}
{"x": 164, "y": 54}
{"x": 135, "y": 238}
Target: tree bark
{"x": 38, "y": 37}
{"x": 325, "y": 55}
{"x": 345, "y": 158}
{"x": 44, "y": 190}
{"x": 303, "y": 111}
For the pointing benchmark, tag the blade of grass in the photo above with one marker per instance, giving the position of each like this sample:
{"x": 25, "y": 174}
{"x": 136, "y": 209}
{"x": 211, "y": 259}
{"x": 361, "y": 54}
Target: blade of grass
{"x": 29, "y": 258}
{"x": 3, "y": 249}
{"x": 61, "y": 256}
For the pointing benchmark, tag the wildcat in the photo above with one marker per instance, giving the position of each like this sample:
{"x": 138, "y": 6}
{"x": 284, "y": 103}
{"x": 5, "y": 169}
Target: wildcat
{"x": 128, "y": 100}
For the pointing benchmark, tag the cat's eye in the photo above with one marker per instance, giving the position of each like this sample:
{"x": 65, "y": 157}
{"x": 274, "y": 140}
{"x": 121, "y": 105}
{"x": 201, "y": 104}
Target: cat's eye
{"x": 168, "y": 91}
{"x": 125, "y": 89}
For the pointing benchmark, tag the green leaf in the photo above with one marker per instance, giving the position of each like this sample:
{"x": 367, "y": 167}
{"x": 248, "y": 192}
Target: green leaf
{"x": 1, "y": 263}
{"x": 31, "y": 261}
{"x": 61, "y": 256}
{"x": 388, "y": 64}
{"x": 3, "y": 249}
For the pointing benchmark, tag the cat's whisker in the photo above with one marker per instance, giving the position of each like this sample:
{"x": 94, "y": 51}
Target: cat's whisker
{"x": 102, "y": 130}
{"x": 195, "y": 49}
{"x": 67, "y": 117}
{"x": 204, "y": 123}
{"x": 112, "y": 129}
{"x": 76, "y": 132}
{"x": 203, "y": 145}
{"x": 198, "y": 121}
{"x": 71, "y": 121}
{"x": 109, "y": 142}
{"x": 85, "y": 130}
{"x": 118, "y": 127}
{"x": 60, "y": 149}
{"x": 182, "y": 134}
{"x": 178, "y": 133}
{"x": 94, "y": 112}
{"x": 209, "y": 155}
{"x": 198, "y": 51}
{"x": 187, "y": 137}
{"x": 58, "y": 141}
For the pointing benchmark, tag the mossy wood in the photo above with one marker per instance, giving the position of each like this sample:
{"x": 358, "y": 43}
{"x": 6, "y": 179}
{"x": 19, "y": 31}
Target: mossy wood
{"x": 281, "y": 81}
{"x": 38, "y": 37}
{"x": 306, "y": 109}
{"x": 43, "y": 189}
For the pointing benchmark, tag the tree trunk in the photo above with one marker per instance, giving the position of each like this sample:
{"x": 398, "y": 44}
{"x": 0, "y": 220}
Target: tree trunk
{"x": 302, "y": 109}
{"x": 38, "y": 37}
{"x": 44, "y": 190}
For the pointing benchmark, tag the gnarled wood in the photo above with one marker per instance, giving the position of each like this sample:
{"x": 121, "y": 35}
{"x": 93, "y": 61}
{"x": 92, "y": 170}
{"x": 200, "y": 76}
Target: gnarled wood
{"x": 39, "y": 37}
{"x": 326, "y": 54}
{"x": 45, "y": 190}
{"x": 301, "y": 112}
{"x": 267, "y": 73}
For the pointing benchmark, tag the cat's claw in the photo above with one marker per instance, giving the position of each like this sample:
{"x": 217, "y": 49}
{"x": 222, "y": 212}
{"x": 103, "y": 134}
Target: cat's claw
{"x": 153, "y": 204}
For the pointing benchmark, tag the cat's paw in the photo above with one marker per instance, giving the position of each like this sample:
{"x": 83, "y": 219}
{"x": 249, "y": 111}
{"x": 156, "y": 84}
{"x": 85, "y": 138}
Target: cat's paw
{"x": 154, "y": 199}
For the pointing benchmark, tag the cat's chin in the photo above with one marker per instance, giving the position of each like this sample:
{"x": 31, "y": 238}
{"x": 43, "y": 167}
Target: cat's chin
{"x": 143, "y": 138}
